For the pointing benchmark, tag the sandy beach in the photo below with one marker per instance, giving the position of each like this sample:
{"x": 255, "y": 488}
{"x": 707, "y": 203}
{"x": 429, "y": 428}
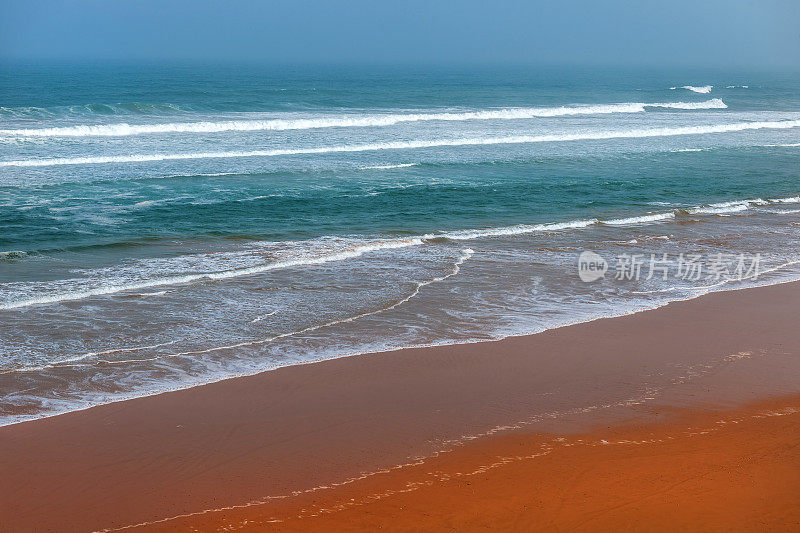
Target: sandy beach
{"x": 666, "y": 417}
{"x": 400, "y": 266}
{"x": 732, "y": 471}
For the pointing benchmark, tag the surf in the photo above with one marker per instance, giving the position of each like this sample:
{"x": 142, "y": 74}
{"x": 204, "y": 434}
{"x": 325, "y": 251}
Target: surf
{"x": 352, "y": 250}
{"x": 371, "y": 120}
{"x": 411, "y": 145}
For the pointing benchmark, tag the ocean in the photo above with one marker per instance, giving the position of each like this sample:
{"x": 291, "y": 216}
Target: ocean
{"x": 165, "y": 226}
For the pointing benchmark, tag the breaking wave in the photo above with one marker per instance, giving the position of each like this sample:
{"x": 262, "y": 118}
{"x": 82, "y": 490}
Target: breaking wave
{"x": 124, "y": 129}
{"x": 388, "y": 167}
{"x": 355, "y": 251}
{"x": 640, "y": 220}
{"x": 351, "y": 250}
{"x": 702, "y": 89}
{"x": 410, "y": 145}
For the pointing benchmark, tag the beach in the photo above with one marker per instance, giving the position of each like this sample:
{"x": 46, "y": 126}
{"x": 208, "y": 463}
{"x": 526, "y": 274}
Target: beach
{"x": 317, "y": 266}
{"x": 305, "y": 297}
{"x": 168, "y": 228}
{"x": 685, "y": 416}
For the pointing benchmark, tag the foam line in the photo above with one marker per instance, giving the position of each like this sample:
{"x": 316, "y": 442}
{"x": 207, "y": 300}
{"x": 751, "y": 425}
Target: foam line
{"x": 359, "y": 250}
{"x": 702, "y": 89}
{"x": 213, "y": 276}
{"x": 124, "y": 129}
{"x": 411, "y": 145}
{"x": 640, "y": 220}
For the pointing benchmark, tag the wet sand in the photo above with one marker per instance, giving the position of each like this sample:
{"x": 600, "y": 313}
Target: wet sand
{"x": 702, "y": 471}
{"x": 277, "y": 438}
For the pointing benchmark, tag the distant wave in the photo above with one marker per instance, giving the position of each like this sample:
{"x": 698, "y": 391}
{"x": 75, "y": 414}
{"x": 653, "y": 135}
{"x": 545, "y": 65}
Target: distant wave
{"x": 409, "y": 145}
{"x": 87, "y": 110}
{"x": 353, "y": 250}
{"x": 387, "y": 167}
{"x": 118, "y": 130}
{"x": 703, "y": 89}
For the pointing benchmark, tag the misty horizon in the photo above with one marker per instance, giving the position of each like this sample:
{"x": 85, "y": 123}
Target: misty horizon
{"x": 715, "y": 34}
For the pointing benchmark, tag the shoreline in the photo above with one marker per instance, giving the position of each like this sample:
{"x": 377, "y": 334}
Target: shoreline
{"x": 731, "y": 470}
{"x": 308, "y": 425}
{"x": 134, "y": 396}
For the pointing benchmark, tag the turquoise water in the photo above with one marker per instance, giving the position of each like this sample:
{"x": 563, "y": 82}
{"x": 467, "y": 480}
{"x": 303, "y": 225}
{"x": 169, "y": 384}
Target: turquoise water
{"x": 168, "y": 226}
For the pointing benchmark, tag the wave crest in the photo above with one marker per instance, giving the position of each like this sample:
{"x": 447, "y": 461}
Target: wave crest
{"x": 124, "y": 129}
{"x": 702, "y": 89}
{"x": 351, "y": 250}
{"x": 411, "y": 145}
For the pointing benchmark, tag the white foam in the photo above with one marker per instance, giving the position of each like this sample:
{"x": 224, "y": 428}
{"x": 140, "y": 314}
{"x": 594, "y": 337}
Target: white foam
{"x": 512, "y": 230}
{"x": 262, "y": 317}
{"x": 714, "y": 103}
{"x": 755, "y": 201}
{"x": 717, "y": 210}
{"x": 789, "y": 200}
{"x": 737, "y": 206}
{"x": 387, "y": 167}
{"x": 344, "y": 121}
{"x": 411, "y": 145}
{"x": 156, "y": 293}
{"x": 644, "y": 219}
{"x": 386, "y": 244}
{"x": 355, "y": 251}
{"x": 146, "y": 203}
{"x": 703, "y": 89}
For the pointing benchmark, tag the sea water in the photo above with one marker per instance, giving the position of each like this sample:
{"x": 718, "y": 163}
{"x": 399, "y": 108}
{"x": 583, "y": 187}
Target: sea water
{"x": 165, "y": 226}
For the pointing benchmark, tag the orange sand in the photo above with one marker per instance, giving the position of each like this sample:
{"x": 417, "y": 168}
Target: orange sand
{"x": 718, "y": 471}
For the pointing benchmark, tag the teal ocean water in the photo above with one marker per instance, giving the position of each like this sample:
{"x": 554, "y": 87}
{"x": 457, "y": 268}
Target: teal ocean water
{"x": 164, "y": 227}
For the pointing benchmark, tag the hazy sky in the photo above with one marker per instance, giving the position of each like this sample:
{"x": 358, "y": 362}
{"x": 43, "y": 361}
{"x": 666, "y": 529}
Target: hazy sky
{"x": 674, "y": 32}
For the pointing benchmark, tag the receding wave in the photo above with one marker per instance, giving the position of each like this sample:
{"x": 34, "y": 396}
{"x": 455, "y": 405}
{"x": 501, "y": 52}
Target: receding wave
{"x": 124, "y": 129}
{"x": 410, "y": 145}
